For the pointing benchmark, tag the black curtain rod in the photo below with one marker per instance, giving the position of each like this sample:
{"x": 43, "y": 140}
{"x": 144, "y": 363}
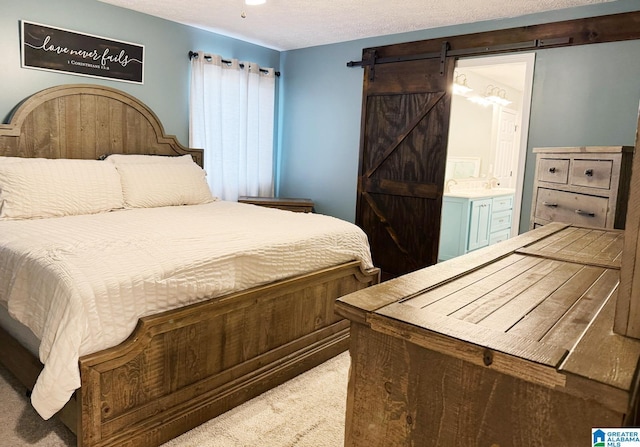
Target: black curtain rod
{"x": 193, "y": 54}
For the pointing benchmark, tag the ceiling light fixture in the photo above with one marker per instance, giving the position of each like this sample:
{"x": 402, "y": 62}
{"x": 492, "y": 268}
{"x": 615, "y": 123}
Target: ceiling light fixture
{"x": 243, "y": 13}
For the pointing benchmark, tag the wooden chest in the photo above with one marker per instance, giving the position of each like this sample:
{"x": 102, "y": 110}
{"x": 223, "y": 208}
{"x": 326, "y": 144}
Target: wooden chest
{"x": 507, "y": 346}
{"x": 586, "y": 186}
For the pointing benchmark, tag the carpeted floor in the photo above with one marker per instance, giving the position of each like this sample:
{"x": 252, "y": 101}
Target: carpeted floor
{"x": 307, "y": 411}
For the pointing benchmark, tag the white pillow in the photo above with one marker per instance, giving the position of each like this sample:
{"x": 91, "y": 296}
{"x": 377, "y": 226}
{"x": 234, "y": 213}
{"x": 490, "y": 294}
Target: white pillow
{"x": 138, "y": 158}
{"x": 37, "y": 188}
{"x": 147, "y": 185}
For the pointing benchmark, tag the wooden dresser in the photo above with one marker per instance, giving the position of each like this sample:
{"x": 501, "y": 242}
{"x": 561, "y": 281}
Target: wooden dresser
{"x": 507, "y": 346}
{"x": 586, "y": 186}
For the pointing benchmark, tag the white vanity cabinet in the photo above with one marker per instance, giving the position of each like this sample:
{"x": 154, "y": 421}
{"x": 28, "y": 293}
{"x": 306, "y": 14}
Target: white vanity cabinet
{"x": 478, "y": 225}
{"x": 472, "y": 220}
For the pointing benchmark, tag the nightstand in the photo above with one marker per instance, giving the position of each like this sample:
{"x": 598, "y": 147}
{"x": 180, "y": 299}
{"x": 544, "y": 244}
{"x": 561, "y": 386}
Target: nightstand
{"x": 297, "y": 205}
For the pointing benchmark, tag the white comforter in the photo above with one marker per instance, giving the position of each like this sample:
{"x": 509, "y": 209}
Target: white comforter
{"x": 80, "y": 283}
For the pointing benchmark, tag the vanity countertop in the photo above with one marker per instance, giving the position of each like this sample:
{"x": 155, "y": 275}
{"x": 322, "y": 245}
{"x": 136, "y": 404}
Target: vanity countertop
{"x": 480, "y": 193}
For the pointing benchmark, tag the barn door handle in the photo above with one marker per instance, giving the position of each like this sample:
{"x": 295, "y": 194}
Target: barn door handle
{"x": 589, "y": 172}
{"x": 550, "y": 204}
{"x": 585, "y": 213}
{"x": 552, "y": 170}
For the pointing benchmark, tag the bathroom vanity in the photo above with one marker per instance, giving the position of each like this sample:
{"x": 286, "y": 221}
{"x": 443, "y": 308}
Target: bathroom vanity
{"x": 474, "y": 218}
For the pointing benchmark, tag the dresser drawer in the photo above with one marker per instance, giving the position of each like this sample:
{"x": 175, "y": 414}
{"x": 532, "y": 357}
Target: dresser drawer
{"x": 562, "y": 206}
{"x": 502, "y": 203}
{"x": 553, "y": 170}
{"x": 501, "y": 220}
{"x": 591, "y": 173}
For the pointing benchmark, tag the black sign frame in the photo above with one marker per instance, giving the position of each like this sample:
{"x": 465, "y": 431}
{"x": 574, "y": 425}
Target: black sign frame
{"x": 56, "y": 49}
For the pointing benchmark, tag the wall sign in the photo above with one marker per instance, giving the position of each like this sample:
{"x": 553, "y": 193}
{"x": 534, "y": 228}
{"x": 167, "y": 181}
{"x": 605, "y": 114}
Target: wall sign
{"x": 56, "y": 49}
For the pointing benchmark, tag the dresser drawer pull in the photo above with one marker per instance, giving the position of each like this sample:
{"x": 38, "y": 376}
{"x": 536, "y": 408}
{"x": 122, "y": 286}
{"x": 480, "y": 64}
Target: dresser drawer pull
{"x": 550, "y": 204}
{"x": 552, "y": 170}
{"x": 585, "y": 213}
{"x": 589, "y": 172}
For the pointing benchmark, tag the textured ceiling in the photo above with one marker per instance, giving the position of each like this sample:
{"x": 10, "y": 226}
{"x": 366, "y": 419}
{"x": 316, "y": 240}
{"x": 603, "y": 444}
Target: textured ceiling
{"x": 292, "y": 24}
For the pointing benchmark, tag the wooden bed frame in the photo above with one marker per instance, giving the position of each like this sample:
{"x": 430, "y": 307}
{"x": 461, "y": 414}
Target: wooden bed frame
{"x": 182, "y": 367}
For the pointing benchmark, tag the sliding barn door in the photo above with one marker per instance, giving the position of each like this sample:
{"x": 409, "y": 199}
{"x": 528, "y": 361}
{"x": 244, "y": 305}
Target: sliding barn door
{"x": 403, "y": 150}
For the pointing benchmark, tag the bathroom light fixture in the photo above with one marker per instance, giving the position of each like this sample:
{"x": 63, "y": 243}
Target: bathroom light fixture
{"x": 460, "y": 86}
{"x": 497, "y": 96}
{"x": 493, "y": 95}
{"x": 480, "y": 100}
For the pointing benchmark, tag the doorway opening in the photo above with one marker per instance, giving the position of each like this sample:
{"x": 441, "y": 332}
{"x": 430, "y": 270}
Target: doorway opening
{"x": 487, "y": 147}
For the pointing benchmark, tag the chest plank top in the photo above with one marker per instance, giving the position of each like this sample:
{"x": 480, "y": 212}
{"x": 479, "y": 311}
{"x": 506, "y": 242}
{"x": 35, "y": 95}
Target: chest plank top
{"x": 535, "y": 312}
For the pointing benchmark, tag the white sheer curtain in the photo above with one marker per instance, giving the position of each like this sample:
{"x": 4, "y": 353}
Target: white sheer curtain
{"x": 232, "y": 119}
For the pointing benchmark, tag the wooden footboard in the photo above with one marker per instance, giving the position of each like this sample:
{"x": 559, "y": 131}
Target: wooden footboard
{"x": 184, "y": 367}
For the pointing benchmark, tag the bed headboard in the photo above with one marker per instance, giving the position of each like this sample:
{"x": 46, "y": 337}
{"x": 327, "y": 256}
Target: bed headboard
{"x": 86, "y": 121}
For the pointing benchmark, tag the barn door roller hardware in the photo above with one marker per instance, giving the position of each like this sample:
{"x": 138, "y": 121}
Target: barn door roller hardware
{"x": 372, "y": 60}
{"x": 443, "y": 56}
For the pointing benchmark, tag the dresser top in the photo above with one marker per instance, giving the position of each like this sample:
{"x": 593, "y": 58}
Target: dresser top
{"x": 275, "y": 200}
{"x": 584, "y": 149}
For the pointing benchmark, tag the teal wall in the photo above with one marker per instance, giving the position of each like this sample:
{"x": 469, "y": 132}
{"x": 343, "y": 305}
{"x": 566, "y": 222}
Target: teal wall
{"x": 585, "y": 95}
{"x": 167, "y": 44}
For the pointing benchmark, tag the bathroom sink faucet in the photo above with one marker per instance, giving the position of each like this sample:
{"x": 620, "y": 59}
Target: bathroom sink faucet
{"x": 448, "y": 183}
